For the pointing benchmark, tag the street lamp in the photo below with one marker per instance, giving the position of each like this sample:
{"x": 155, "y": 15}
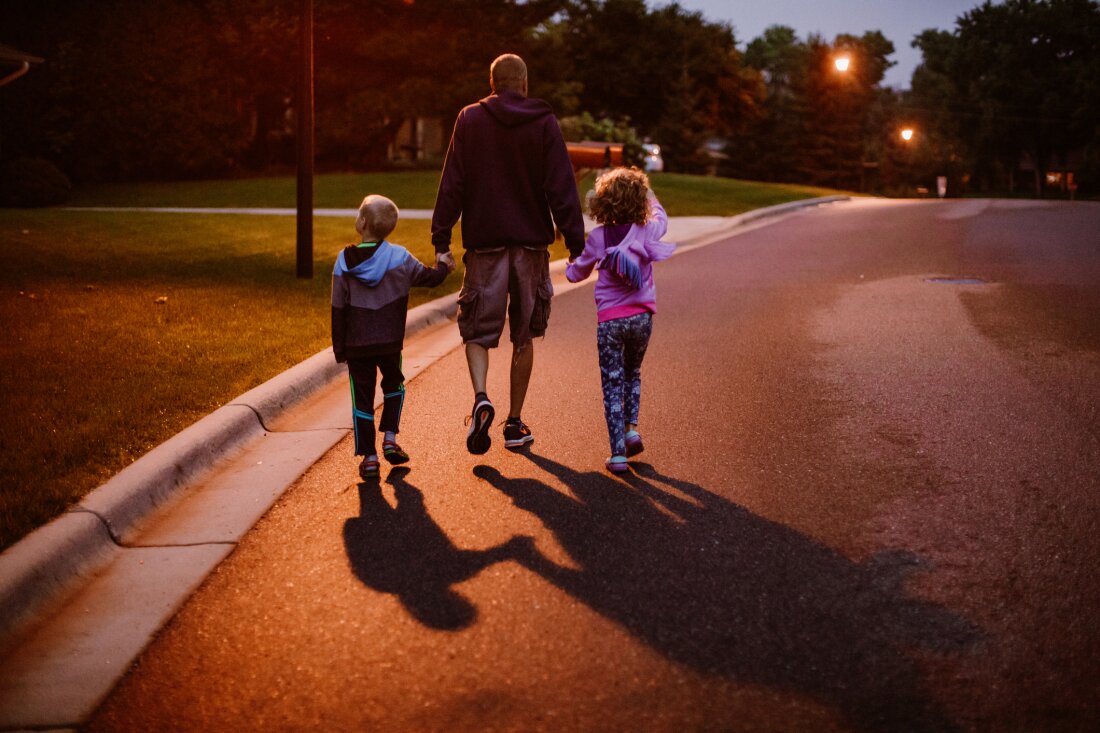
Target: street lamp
{"x": 906, "y": 134}
{"x": 842, "y": 63}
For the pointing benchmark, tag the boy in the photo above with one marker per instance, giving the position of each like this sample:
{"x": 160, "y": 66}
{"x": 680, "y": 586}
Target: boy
{"x": 370, "y": 298}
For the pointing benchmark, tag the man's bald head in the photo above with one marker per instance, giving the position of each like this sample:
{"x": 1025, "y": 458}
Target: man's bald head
{"x": 508, "y": 73}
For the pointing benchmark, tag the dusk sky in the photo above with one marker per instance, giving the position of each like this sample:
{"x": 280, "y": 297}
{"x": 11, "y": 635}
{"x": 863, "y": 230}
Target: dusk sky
{"x": 899, "y": 20}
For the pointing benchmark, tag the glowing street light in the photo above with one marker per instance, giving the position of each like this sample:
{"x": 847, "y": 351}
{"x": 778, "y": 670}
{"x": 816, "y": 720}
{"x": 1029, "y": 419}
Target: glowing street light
{"x": 907, "y": 134}
{"x": 842, "y": 63}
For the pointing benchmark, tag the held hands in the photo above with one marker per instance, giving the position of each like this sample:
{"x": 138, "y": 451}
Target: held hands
{"x": 447, "y": 259}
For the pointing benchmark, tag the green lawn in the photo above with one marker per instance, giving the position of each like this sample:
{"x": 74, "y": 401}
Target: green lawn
{"x": 682, "y": 195}
{"x": 701, "y": 196}
{"x": 410, "y": 190}
{"x": 95, "y": 371}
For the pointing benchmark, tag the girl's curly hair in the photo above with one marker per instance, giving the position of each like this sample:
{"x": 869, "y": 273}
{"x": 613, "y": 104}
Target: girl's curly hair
{"x": 620, "y": 197}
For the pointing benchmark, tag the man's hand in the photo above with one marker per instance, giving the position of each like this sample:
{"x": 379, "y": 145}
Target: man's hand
{"x": 447, "y": 259}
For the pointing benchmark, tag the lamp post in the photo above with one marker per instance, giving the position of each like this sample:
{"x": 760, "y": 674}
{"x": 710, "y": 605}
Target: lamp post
{"x": 305, "y": 144}
{"x": 842, "y": 62}
{"x": 907, "y": 135}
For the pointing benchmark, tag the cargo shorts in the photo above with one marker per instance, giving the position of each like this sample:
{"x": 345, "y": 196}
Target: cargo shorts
{"x": 512, "y": 281}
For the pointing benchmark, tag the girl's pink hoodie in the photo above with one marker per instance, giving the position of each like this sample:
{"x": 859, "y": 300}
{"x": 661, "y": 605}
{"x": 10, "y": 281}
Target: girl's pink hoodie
{"x": 615, "y": 298}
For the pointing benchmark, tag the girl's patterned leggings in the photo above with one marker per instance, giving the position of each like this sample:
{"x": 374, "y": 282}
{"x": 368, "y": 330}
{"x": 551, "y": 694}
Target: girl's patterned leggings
{"x": 622, "y": 343}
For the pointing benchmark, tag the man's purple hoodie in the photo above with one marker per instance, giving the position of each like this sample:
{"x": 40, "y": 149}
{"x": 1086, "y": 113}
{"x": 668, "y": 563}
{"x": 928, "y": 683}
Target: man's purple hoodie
{"x": 508, "y": 176}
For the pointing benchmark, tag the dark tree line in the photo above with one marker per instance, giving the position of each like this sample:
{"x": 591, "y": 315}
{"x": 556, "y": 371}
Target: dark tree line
{"x": 188, "y": 88}
{"x": 817, "y": 124}
{"x": 1014, "y": 82}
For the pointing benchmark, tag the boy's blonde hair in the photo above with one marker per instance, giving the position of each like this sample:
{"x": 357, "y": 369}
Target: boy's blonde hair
{"x": 377, "y": 217}
{"x": 620, "y": 197}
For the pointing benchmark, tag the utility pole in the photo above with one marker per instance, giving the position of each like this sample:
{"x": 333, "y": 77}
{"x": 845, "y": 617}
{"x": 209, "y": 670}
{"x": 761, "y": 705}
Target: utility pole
{"x": 305, "y": 144}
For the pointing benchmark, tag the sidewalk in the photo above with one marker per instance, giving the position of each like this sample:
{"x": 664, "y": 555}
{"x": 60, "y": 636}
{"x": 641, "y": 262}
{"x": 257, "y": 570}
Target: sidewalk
{"x": 81, "y": 597}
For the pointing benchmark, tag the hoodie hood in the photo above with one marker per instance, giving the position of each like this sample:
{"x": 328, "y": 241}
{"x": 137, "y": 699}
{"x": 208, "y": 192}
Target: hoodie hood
{"x": 371, "y": 271}
{"x": 512, "y": 109}
{"x": 626, "y": 259}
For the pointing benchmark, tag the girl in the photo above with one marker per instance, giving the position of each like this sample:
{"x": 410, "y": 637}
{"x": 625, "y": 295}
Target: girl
{"x": 623, "y": 247}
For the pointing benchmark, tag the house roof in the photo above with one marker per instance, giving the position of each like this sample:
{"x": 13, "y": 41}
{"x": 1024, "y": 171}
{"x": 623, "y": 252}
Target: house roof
{"x": 15, "y": 57}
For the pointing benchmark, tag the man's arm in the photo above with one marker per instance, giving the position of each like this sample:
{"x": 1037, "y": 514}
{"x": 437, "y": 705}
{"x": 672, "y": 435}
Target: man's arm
{"x": 561, "y": 189}
{"x": 448, "y": 200}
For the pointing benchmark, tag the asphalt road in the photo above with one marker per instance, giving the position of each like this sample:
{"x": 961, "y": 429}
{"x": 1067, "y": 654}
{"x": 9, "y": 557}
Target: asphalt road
{"x": 868, "y": 502}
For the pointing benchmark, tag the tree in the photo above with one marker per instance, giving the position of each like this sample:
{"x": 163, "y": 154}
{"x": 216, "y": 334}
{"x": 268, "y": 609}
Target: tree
{"x": 674, "y": 76}
{"x": 818, "y": 124}
{"x": 382, "y": 63}
{"x": 1015, "y": 79}
{"x": 124, "y": 94}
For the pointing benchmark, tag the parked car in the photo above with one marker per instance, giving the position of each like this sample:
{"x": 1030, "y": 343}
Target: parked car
{"x": 653, "y": 162}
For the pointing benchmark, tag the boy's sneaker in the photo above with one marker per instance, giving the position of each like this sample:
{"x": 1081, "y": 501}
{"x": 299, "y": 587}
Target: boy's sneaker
{"x": 480, "y": 420}
{"x": 634, "y": 444}
{"x": 393, "y": 453}
{"x": 516, "y": 433}
{"x": 368, "y": 468}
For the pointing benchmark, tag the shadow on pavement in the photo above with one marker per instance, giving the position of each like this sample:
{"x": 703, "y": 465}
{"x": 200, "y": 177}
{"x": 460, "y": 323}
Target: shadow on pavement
{"x": 402, "y": 551}
{"x": 713, "y": 586}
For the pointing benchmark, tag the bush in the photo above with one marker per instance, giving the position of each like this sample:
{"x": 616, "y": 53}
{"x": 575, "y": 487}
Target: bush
{"x": 585, "y": 127}
{"x": 27, "y": 182}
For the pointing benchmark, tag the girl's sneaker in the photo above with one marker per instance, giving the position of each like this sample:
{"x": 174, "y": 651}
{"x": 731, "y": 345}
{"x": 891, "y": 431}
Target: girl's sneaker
{"x": 393, "y": 453}
{"x": 617, "y": 464}
{"x": 634, "y": 444}
{"x": 368, "y": 468}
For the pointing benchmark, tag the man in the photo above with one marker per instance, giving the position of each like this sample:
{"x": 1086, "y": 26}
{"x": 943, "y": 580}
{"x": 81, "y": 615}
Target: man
{"x": 508, "y": 176}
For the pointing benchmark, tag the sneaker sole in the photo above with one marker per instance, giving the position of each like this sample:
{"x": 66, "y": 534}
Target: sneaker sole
{"x": 478, "y": 441}
{"x": 520, "y": 442}
{"x": 395, "y": 458}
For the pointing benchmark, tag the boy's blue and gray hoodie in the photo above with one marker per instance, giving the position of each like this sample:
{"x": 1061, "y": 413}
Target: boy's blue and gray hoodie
{"x": 370, "y": 297}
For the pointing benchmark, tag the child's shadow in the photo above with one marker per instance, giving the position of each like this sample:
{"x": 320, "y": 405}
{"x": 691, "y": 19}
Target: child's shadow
{"x": 711, "y": 585}
{"x": 402, "y": 551}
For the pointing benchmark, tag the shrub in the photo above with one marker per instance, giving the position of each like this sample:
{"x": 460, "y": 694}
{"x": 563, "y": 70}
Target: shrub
{"x": 27, "y": 182}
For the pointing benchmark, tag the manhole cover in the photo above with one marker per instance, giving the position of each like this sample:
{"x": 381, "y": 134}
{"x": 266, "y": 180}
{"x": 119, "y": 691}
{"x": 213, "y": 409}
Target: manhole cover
{"x": 958, "y": 281}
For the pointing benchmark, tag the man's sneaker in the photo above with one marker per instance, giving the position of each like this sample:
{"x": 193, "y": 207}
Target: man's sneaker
{"x": 393, "y": 453}
{"x": 634, "y": 444}
{"x": 368, "y": 468}
{"x": 477, "y": 439}
{"x": 516, "y": 433}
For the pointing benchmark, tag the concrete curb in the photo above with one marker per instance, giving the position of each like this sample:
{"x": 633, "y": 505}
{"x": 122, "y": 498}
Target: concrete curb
{"x": 46, "y": 564}
{"x": 40, "y": 568}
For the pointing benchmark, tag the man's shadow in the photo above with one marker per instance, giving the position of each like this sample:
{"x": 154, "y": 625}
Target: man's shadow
{"x": 713, "y": 586}
{"x": 402, "y": 551}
